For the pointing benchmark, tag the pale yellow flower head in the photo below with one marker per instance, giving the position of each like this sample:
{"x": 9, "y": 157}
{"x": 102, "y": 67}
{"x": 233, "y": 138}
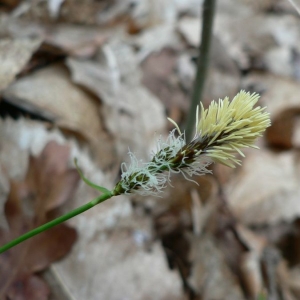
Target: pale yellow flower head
{"x": 227, "y": 126}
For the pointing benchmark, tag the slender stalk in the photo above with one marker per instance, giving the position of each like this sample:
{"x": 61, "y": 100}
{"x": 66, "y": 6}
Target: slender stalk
{"x": 56, "y": 221}
{"x": 202, "y": 64}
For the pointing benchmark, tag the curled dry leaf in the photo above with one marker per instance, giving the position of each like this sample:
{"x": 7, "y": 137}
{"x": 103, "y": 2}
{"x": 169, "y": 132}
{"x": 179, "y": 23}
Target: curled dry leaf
{"x": 51, "y": 94}
{"x": 14, "y": 54}
{"x": 32, "y": 202}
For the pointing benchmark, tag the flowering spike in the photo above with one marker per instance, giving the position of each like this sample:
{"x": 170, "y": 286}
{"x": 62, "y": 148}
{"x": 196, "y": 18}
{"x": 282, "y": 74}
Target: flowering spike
{"x": 234, "y": 124}
{"x": 222, "y": 131}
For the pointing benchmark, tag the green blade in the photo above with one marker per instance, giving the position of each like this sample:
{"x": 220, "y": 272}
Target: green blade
{"x": 89, "y": 183}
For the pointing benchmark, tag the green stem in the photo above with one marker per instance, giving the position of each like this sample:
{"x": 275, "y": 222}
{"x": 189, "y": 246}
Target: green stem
{"x": 202, "y": 64}
{"x": 56, "y": 221}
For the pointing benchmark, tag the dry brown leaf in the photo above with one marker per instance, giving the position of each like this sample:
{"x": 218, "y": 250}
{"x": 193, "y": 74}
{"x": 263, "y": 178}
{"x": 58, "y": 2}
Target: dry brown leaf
{"x": 292, "y": 279}
{"x": 48, "y": 184}
{"x": 279, "y": 60}
{"x": 115, "y": 241}
{"x": 141, "y": 15}
{"x": 17, "y": 140}
{"x": 160, "y": 78}
{"x": 190, "y": 29}
{"x": 49, "y": 177}
{"x": 71, "y": 11}
{"x": 177, "y": 214}
{"x": 82, "y": 12}
{"x": 54, "y": 7}
{"x": 33, "y": 288}
{"x": 253, "y": 242}
{"x": 211, "y": 277}
{"x": 251, "y": 34}
{"x": 266, "y": 189}
{"x": 50, "y": 93}
{"x": 98, "y": 78}
{"x": 282, "y": 278}
{"x": 250, "y": 261}
{"x": 129, "y": 108}
{"x": 76, "y": 40}
{"x": 251, "y": 274}
{"x": 156, "y": 38}
{"x": 14, "y": 54}
{"x": 21, "y": 137}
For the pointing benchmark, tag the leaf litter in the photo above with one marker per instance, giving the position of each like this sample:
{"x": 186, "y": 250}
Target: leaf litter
{"x": 30, "y": 203}
{"x": 89, "y": 80}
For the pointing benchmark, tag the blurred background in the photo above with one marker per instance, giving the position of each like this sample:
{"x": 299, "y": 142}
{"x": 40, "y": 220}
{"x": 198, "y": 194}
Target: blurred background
{"x": 93, "y": 78}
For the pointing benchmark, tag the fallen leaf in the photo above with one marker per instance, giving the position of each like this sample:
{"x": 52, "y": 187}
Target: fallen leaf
{"x": 50, "y": 93}
{"x": 124, "y": 99}
{"x": 250, "y": 261}
{"x": 32, "y": 202}
{"x": 265, "y": 41}
{"x": 251, "y": 274}
{"x": 76, "y": 40}
{"x": 49, "y": 177}
{"x": 82, "y": 12}
{"x": 14, "y": 54}
{"x": 156, "y": 38}
{"x": 117, "y": 241}
{"x": 159, "y": 76}
{"x": 278, "y": 60}
{"x": 292, "y": 279}
{"x": 266, "y": 189}
{"x": 32, "y": 288}
{"x": 211, "y": 277}
{"x": 190, "y": 28}
{"x": 54, "y": 7}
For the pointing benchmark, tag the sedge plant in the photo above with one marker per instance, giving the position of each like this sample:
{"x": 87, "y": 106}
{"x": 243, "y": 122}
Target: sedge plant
{"x": 221, "y": 131}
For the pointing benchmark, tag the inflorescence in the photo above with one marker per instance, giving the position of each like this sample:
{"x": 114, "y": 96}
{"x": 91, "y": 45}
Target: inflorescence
{"x": 222, "y": 130}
